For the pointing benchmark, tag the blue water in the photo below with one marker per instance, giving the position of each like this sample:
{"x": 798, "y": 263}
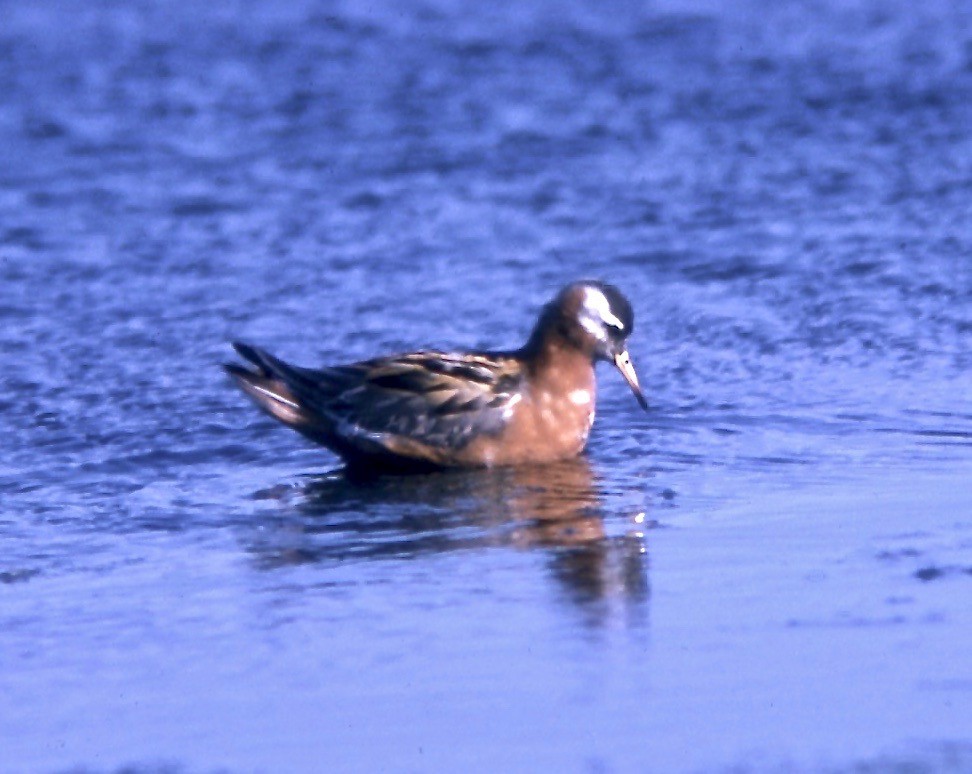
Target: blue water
{"x": 770, "y": 569}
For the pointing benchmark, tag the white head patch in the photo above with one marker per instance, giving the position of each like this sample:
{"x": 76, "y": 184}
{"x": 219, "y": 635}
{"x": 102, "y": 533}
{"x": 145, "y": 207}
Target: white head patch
{"x": 598, "y": 310}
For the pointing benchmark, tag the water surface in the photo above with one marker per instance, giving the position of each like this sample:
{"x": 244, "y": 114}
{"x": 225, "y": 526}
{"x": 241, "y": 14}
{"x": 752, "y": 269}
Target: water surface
{"x": 771, "y": 568}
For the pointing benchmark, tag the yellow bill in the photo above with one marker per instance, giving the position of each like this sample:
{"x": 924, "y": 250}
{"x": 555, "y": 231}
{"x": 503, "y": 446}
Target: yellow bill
{"x": 623, "y": 361}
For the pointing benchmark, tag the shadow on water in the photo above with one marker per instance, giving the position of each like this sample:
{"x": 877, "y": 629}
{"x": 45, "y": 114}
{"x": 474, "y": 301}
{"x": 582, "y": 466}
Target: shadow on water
{"x": 559, "y": 509}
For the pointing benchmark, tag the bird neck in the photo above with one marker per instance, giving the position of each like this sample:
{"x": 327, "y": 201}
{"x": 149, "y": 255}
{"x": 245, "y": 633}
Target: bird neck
{"x": 555, "y": 363}
{"x": 556, "y": 336}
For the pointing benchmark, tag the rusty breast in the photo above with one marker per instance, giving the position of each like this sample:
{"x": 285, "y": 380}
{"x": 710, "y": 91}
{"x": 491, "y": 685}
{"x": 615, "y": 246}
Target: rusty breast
{"x": 551, "y": 417}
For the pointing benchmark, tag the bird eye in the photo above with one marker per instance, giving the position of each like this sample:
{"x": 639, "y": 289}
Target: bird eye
{"x": 601, "y": 316}
{"x": 611, "y": 322}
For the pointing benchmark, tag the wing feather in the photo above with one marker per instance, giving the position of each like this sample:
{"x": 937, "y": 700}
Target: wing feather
{"x": 426, "y": 402}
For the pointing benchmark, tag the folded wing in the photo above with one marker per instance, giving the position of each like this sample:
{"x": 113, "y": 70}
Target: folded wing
{"x": 419, "y": 405}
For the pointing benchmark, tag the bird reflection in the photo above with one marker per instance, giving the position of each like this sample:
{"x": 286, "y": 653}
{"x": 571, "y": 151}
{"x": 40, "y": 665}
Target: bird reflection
{"x": 558, "y": 508}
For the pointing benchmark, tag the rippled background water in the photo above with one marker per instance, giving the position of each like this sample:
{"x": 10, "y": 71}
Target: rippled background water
{"x": 772, "y": 568}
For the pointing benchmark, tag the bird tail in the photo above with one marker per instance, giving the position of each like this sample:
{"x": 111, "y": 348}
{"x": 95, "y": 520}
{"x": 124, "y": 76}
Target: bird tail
{"x": 268, "y": 388}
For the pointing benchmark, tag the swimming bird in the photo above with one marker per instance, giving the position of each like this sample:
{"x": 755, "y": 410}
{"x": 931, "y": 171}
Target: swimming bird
{"x": 431, "y": 409}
